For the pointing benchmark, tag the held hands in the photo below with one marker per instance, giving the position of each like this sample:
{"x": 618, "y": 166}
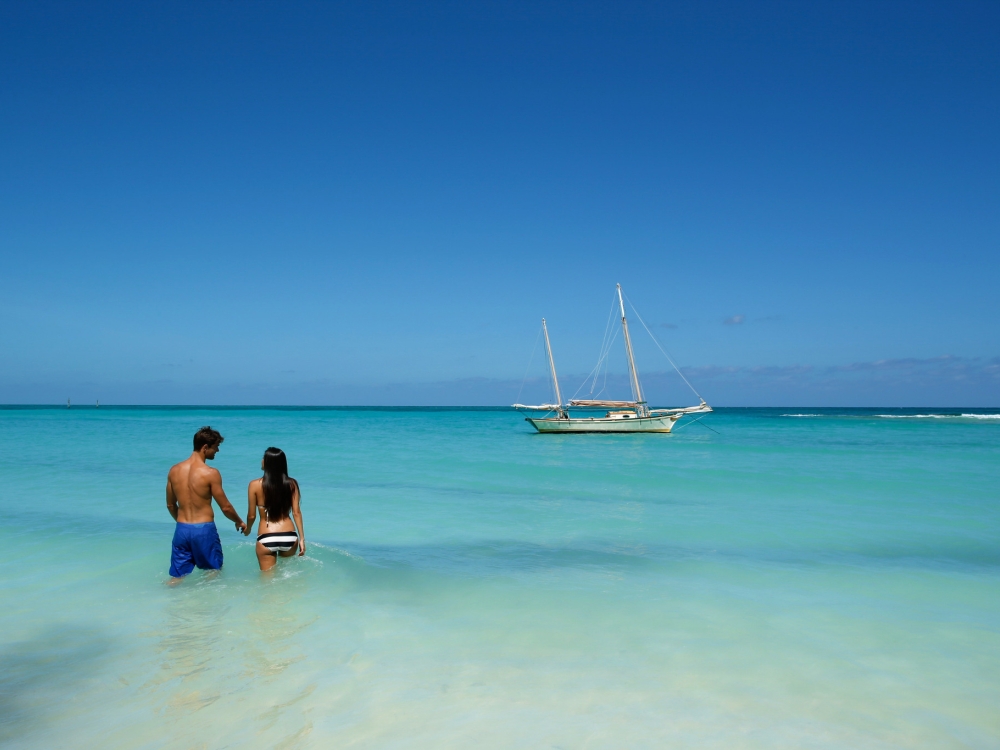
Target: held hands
{"x": 242, "y": 528}
{"x": 302, "y": 546}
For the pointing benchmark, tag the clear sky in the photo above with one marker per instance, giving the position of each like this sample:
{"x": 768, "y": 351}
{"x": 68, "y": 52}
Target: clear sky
{"x": 250, "y": 202}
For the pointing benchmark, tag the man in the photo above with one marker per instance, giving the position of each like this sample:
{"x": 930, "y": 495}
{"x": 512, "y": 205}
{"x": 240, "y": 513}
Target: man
{"x": 191, "y": 485}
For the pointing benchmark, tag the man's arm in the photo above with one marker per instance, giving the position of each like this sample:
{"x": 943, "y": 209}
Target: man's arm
{"x": 224, "y": 505}
{"x": 171, "y": 499}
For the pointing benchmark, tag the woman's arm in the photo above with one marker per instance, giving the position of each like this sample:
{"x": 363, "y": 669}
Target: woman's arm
{"x": 297, "y": 513}
{"x": 251, "y": 508}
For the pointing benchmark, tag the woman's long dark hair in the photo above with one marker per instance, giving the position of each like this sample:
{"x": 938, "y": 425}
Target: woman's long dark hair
{"x": 276, "y": 484}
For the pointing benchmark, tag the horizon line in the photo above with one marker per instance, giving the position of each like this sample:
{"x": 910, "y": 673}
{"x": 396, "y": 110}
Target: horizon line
{"x": 424, "y": 407}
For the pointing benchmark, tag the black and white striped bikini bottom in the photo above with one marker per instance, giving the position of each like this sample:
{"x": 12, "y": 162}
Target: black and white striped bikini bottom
{"x": 279, "y": 541}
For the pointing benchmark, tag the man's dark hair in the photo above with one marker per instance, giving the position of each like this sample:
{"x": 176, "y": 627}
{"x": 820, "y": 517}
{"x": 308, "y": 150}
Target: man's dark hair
{"x": 207, "y": 436}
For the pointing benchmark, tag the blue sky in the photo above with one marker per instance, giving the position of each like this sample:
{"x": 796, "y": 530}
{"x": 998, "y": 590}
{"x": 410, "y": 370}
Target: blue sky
{"x": 377, "y": 202}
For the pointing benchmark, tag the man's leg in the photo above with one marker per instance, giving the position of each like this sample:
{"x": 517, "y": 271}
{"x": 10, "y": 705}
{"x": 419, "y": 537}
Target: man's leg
{"x": 181, "y": 559}
{"x": 207, "y": 548}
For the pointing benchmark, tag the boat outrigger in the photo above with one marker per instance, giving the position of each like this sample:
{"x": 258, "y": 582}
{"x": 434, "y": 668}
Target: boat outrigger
{"x": 623, "y": 416}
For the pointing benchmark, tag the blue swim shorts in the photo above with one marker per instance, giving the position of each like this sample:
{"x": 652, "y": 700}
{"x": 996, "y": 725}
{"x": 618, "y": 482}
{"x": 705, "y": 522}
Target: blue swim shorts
{"x": 195, "y": 544}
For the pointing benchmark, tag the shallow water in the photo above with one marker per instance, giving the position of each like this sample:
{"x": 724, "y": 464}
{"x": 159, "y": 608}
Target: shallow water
{"x": 819, "y": 581}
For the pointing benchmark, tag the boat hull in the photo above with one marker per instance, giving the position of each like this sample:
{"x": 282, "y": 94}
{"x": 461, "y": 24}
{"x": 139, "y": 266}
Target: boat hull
{"x": 663, "y": 423}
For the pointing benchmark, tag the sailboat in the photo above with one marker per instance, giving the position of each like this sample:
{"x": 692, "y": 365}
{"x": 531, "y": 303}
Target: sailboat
{"x": 623, "y": 416}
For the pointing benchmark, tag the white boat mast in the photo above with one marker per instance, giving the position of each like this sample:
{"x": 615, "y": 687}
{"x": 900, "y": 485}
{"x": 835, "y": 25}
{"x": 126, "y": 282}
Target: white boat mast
{"x": 640, "y": 405}
{"x": 552, "y": 366}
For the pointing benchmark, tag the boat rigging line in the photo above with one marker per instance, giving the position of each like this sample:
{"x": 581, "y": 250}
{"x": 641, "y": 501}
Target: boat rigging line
{"x": 669, "y": 358}
{"x": 605, "y": 351}
{"x": 528, "y": 368}
{"x": 698, "y": 420}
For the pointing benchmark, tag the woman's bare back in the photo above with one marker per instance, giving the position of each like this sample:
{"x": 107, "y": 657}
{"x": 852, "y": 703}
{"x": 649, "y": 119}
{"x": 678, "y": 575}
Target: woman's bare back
{"x": 266, "y": 557}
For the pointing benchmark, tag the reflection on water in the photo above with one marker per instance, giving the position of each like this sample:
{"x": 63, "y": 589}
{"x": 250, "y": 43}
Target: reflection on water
{"x": 225, "y": 650}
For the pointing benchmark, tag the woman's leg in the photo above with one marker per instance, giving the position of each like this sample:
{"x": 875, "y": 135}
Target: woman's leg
{"x": 265, "y": 558}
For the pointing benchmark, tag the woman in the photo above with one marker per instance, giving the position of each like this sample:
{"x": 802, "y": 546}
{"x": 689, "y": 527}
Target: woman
{"x": 277, "y": 496}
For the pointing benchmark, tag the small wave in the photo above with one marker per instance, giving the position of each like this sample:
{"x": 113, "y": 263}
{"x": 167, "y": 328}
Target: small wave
{"x": 337, "y": 551}
{"x": 802, "y": 415}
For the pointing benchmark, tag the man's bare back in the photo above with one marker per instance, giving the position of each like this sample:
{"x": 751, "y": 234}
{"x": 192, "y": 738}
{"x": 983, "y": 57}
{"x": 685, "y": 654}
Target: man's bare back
{"x": 192, "y": 484}
{"x": 191, "y": 487}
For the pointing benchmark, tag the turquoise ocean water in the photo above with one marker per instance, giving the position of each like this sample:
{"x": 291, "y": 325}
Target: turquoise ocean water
{"x": 802, "y": 579}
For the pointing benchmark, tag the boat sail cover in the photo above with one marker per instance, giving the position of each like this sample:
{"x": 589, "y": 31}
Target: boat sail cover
{"x": 603, "y": 404}
{"x": 540, "y": 407}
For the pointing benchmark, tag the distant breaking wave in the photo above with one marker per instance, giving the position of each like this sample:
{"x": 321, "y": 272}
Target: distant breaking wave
{"x": 938, "y": 416}
{"x": 902, "y": 416}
